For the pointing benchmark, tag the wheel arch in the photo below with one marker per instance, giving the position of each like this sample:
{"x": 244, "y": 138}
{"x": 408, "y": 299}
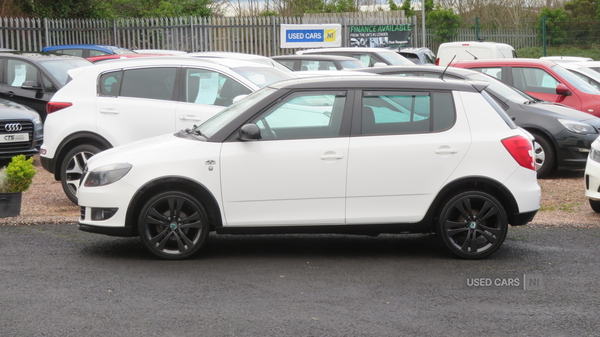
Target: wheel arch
{"x": 485, "y": 184}
{"x": 76, "y": 139}
{"x": 173, "y": 183}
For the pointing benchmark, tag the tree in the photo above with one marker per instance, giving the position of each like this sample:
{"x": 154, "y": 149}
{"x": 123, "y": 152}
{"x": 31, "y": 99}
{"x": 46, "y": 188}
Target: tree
{"x": 444, "y": 24}
{"x": 556, "y": 20}
{"x": 407, "y": 8}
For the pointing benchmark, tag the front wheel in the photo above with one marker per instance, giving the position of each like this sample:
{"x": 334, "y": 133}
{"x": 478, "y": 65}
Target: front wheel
{"x": 473, "y": 224}
{"x": 544, "y": 156}
{"x": 173, "y": 225}
{"x": 71, "y": 169}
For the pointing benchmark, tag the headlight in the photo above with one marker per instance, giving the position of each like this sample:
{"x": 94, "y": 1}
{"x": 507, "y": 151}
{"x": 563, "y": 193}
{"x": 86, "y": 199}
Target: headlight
{"x": 577, "y": 127}
{"x": 37, "y": 121}
{"x": 106, "y": 175}
{"x": 595, "y": 153}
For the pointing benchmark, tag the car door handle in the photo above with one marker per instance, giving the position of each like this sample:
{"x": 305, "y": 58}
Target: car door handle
{"x": 446, "y": 150}
{"x": 331, "y": 155}
{"x": 190, "y": 118}
{"x": 109, "y": 111}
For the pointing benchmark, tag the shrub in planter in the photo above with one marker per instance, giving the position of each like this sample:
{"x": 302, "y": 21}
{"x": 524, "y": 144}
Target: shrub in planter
{"x": 15, "y": 178}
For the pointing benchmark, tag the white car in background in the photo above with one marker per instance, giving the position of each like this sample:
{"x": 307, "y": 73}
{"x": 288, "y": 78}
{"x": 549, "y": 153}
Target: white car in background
{"x": 360, "y": 155}
{"x": 592, "y": 176}
{"x": 118, "y": 102}
{"x": 371, "y": 57}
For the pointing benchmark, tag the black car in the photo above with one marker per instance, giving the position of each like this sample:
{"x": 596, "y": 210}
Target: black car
{"x": 563, "y": 135}
{"x": 21, "y": 130}
{"x": 32, "y": 79}
{"x": 318, "y": 62}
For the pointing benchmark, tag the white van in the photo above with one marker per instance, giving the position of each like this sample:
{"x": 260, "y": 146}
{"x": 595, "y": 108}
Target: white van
{"x": 471, "y": 50}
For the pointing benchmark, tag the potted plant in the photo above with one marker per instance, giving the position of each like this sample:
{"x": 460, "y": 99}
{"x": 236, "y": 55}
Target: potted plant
{"x": 15, "y": 178}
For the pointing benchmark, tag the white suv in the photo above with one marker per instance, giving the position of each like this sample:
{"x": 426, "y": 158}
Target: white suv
{"x": 117, "y": 102}
{"x": 361, "y": 155}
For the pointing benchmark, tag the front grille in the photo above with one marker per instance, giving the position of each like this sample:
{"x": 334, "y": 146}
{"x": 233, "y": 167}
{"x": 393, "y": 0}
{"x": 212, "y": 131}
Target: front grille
{"x": 27, "y": 127}
{"x": 82, "y": 211}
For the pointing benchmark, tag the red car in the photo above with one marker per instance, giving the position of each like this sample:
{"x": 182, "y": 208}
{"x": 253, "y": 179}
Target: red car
{"x": 96, "y": 59}
{"x": 541, "y": 79}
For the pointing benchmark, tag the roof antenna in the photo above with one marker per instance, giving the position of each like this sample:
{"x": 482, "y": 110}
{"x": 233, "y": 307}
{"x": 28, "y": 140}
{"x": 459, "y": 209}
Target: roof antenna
{"x": 474, "y": 57}
{"x": 443, "y": 72}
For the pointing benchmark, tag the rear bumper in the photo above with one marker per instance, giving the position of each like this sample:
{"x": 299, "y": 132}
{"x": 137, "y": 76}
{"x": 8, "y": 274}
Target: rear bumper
{"x": 520, "y": 219}
{"x": 48, "y": 164}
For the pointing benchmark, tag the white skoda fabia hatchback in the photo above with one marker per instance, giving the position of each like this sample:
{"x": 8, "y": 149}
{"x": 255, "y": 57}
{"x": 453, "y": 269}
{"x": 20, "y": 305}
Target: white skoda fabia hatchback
{"x": 361, "y": 155}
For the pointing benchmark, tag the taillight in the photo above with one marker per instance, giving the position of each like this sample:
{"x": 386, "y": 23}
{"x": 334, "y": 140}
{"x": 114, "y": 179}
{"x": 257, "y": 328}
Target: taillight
{"x": 55, "y": 106}
{"x": 520, "y": 148}
{"x": 437, "y": 61}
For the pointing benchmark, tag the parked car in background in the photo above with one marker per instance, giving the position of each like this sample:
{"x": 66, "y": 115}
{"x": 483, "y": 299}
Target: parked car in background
{"x": 472, "y": 50}
{"x": 594, "y": 65}
{"x": 96, "y": 59}
{"x": 368, "y": 56}
{"x": 318, "y": 62}
{"x": 362, "y": 155}
{"x": 585, "y": 73}
{"x": 420, "y": 55}
{"x": 32, "y": 79}
{"x": 118, "y": 102}
{"x": 21, "y": 130}
{"x": 542, "y": 79}
{"x": 160, "y": 51}
{"x": 240, "y": 56}
{"x": 566, "y": 59}
{"x": 86, "y": 50}
{"x": 563, "y": 135}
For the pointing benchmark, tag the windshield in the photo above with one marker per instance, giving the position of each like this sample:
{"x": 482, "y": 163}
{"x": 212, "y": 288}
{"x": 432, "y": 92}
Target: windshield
{"x": 263, "y": 76}
{"x": 394, "y": 58}
{"x": 218, "y": 121}
{"x": 59, "y": 67}
{"x": 575, "y": 81}
{"x": 500, "y": 89}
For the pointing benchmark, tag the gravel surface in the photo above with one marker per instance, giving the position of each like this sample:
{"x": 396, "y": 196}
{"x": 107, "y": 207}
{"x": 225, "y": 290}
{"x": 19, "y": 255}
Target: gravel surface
{"x": 563, "y": 202}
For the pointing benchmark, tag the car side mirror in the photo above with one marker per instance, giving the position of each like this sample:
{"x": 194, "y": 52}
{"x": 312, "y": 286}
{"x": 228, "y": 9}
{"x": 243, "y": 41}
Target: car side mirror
{"x": 562, "y": 89}
{"x": 379, "y": 64}
{"x": 31, "y": 85}
{"x": 250, "y": 132}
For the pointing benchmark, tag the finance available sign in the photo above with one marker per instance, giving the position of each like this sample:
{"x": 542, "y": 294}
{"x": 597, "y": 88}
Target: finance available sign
{"x": 380, "y": 36}
{"x": 311, "y": 36}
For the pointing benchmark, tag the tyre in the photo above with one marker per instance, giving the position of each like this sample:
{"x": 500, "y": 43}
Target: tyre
{"x": 71, "y": 169}
{"x": 473, "y": 224}
{"x": 595, "y": 205}
{"x": 173, "y": 225}
{"x": 544, "y": 156}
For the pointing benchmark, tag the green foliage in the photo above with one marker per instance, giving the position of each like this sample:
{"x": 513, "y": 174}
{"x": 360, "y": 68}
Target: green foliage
{"x": 556, "y": 21}
{"x": 444, "y": 24}
{"x": 18, "y": 175}
{"x": 269, "y": 13}
{"x": 299, "y": 7}
{"x": 106, "y": 9}
{"x": 407, "y": 8}
{"x": 582, "y": 10}
{"x": 393, "y": 6}
{"x": 537, "y": 52}
{"x": 340, "y": 6}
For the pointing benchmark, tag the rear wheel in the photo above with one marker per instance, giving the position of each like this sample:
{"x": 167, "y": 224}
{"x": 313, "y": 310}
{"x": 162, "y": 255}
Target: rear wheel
{"x": 71, "y": 169}
{"x": 473, "y": 224}
{"x": 173, "y": 225}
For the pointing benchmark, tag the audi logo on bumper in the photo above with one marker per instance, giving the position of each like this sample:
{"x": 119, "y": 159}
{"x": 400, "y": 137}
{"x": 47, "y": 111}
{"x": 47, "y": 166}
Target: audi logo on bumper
{"x": 13, "y": 127}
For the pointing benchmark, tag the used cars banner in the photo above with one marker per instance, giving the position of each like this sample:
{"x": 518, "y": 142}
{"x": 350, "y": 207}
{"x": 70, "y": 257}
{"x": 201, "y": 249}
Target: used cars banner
{"x": 380, "y": 36}
{"x": 311, "y": 36}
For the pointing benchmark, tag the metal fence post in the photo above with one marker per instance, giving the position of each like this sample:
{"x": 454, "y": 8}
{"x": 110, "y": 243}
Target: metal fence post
{"x": 476, "y": 28}
{"x": 46, "y": 33}
{"x": 544, "y": 35}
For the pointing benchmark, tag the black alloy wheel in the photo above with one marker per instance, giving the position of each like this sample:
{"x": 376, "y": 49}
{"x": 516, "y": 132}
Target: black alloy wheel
{"x": 173, "y": 225}
{"x": 473, "y": 224}
{"x": 71, "y": 169}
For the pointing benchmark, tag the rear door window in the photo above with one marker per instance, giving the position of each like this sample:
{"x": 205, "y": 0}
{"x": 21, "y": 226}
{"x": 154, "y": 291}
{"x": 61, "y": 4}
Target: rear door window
{"x": 153, "y": 83}
{"x": 406, "y": 112}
